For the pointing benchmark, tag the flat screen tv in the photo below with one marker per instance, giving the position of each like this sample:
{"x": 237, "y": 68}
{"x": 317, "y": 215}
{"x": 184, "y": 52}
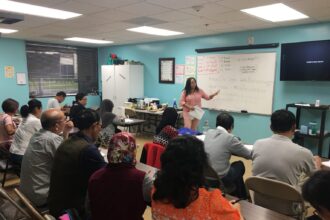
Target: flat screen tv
{"x": 305, "y": 61}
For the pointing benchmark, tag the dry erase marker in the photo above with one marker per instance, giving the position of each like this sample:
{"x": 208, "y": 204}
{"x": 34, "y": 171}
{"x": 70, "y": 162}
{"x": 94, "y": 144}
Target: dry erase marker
{"x": 236, "y": 201}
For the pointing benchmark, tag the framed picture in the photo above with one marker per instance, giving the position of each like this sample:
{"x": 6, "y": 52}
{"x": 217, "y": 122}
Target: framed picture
{"x": 166, "y": 70}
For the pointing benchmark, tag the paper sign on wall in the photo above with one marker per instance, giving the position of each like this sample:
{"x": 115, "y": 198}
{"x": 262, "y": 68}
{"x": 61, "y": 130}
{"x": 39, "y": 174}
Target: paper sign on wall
{"x": 179, "y": 73}
{"x": 190, "y": 67}
{"x": 9, "y": 71}
{"x": 21, "y": 78}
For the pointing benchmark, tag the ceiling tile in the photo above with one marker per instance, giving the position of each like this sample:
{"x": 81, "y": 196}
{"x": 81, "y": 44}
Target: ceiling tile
{"x": 242, "y": 4}
{"x": 143, "y": 9}
{"x": 173, "y": 16}
{"x": 111, "y": 3}
{"x": 177, "y": 4}
{"x": 79, "y": 7}
{"x": 207, "y": 10}
{"x": 114, "y": 15}
{"x": 197, "y": 21}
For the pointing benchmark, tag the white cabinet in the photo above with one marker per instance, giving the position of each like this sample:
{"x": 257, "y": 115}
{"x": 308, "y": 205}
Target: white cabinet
{"x": 120, "y": 82}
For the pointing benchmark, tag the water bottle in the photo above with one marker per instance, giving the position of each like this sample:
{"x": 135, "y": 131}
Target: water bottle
{"x": 206, "y": 126}
{"x": 174, "y": 104}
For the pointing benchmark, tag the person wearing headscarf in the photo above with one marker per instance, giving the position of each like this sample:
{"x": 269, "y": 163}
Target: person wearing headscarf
{"x": 119, "y": 190}
{"x": 166, "y": 129}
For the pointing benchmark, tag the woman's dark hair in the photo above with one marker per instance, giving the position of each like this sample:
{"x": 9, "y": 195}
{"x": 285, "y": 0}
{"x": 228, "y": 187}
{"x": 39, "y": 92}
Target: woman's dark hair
{"x": 225, "y": 120}
{"x": 80, "y": 96}
{"x": 316, "y": 190}
{"x": 169, "y": 117}
{"x": 106, "y": 106}
{"x": 30, "y": 107}
{"x": 282, "y": 121}
{"x": 86, "y": 118}
{"x": 182, "y": 172}
{"x": 10, "y": 106}
{"x": 187, "y": 87}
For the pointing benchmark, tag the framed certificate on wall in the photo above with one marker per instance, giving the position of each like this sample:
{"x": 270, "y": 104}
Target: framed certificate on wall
{"x": 166, "y": 70}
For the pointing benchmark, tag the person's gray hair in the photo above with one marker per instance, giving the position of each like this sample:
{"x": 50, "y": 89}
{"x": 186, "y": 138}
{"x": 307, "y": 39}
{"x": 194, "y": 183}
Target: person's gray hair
{"x": 49, "y": 118}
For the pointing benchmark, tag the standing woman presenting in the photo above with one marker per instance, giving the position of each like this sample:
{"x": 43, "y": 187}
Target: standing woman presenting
{"x": 190, "y": 97}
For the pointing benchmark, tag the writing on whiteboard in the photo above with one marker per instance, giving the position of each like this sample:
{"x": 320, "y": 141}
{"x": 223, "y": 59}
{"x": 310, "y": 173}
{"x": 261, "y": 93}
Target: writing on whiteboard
{"x": 246, "y": 81}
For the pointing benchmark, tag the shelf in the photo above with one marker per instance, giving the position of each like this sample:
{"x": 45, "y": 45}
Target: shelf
{"x": 311, "y": 136}
{"x": 311, "y": 106}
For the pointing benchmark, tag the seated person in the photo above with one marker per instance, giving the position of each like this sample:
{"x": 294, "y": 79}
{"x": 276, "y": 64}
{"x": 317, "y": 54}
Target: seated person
{"x": 316, "y": 191}
{"x": 106, "y": 114}
{"x": 116, "y": 191}
{"x": 55, "y": 102}
{"x": 78, "y": 106}
{"x": 75, "y": 161}
{"x": 31, "y": 114}
{"x": 220, "y": 145}
{"x": 7, "y": 125}
{"x": 277, "y": 157}
{"x": 39, "y": 156}
{"x": 107, "y": 132}
{"x": 178, "y": 191}
{"x": 166, "y": 129}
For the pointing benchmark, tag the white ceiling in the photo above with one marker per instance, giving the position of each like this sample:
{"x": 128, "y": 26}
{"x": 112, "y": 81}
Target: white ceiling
{"x": 109, "y": 19}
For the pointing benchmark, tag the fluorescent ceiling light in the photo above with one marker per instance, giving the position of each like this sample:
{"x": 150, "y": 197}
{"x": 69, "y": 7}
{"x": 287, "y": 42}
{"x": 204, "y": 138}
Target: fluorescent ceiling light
{"x": 7, "y": 31}
{"x": 275, "y": 13}
{"x": 29, "y": 9}
{"x": 154, "y": 31}
{"x": 87, "y": 40}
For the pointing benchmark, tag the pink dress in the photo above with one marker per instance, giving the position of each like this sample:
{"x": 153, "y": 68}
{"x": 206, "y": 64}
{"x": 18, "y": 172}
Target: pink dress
{"x": 192, "y": 99}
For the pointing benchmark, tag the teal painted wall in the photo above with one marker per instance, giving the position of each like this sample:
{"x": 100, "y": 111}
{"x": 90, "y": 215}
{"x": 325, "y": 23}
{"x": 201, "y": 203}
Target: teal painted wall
{"x": 249, "y": 127}
{"x": 12, "y": 53}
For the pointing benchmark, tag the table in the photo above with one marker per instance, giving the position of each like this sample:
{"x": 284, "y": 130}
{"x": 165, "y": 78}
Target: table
{"x": 152, "y": 118}
{"x": 251, "y": 211}
{"x": 129, "y": 122}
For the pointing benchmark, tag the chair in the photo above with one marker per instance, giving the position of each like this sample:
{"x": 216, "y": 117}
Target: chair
{"x": 213, "y": 181}
{"x": 8, "y": 166}
{"x": 276, "y": 195}
{"x": 153, "y": 152}
{"x": 5, "y": 197}
{"x": 30, "y": 209}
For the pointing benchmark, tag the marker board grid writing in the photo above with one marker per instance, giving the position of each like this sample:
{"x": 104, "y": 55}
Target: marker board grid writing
{"x": 246, "y": 81}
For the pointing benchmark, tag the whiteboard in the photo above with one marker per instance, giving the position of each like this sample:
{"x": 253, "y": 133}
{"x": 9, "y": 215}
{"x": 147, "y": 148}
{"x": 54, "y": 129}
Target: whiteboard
{"x": 246, "y": 81}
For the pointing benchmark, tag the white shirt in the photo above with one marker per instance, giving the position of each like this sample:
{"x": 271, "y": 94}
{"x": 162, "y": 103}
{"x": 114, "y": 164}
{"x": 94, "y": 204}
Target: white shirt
{"x": 23, "y": 134}
{"x": 53, "y": 103}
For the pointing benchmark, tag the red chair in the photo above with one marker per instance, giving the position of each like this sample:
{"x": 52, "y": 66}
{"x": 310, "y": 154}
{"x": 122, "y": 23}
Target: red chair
{"x": 154, "y": 151}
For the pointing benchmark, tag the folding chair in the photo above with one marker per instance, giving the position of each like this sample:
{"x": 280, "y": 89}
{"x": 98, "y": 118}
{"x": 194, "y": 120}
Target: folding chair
{"x": 277, "y": 196}
{"x": 33, "y": 212}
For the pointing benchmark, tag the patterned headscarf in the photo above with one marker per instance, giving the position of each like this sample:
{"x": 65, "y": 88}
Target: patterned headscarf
{"x": 122, "y": 149}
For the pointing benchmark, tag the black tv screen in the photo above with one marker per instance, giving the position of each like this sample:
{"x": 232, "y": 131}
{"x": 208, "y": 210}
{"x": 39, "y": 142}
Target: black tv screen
{"x": 305, "y": 61}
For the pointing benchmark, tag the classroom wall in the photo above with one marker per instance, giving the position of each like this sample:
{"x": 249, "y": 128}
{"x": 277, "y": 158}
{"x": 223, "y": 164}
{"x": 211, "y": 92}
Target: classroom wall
{"x": 12, "y": 53}
{"x": 249, "y": 127}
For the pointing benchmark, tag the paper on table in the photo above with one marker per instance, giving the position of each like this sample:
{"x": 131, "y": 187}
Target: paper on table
{"x": 201, "y": 137}
{"x": 128, "y": 120}
{"x": 326, "y": 163}
{"x": 249, "y": 146}
{"x": 197, "y": 113}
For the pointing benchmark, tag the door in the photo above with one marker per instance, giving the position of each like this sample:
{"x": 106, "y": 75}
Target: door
{"x": 121, "y": 88}
{"x": 108, "y": 82}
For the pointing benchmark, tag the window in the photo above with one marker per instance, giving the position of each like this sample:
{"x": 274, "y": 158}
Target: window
{"x": 53, "y": 68}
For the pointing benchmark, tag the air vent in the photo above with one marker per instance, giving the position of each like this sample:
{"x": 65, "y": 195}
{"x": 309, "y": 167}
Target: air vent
{"x": 145, "y": 21}
{"x": 7, "y": 18}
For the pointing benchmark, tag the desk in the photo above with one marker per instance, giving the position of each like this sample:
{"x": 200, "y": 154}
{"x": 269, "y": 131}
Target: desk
{"x": 129, "y": 122}
{"x": 251, "y": 211}
{"x": 152, "y": 118}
